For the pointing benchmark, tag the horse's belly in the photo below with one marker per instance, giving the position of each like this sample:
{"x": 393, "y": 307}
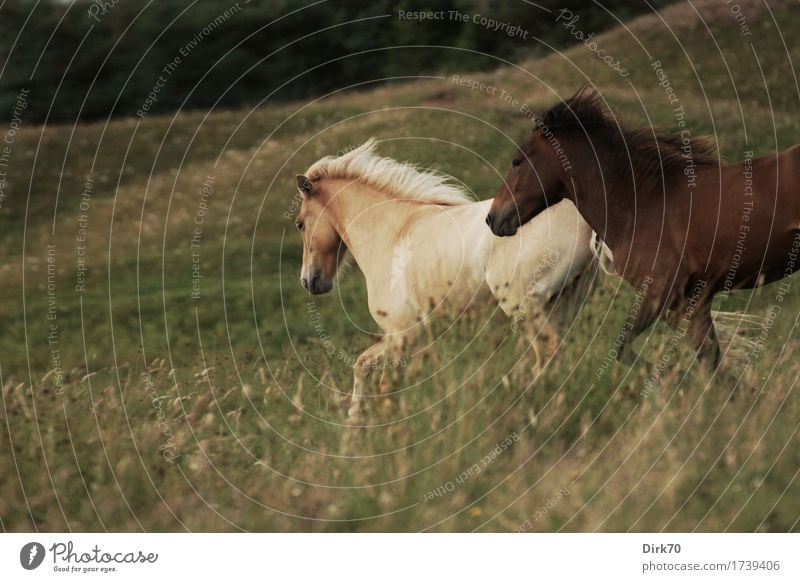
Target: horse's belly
{"x": 753, "y": 265}
{"x": 446, "y": 278}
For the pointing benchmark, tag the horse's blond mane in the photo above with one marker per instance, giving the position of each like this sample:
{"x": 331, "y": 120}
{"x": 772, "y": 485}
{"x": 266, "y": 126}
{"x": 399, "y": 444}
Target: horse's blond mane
{"x": 398, "y": 179}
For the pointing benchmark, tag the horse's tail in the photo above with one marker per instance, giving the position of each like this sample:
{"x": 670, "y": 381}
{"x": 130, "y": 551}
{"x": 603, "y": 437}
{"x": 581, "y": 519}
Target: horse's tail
{"x": 603, "y": 254}
{"x": 736, "y": 332}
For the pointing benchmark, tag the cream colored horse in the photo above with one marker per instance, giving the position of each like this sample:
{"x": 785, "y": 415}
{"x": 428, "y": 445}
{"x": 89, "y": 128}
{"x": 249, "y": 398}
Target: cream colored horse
{"x": 423, "y": 246}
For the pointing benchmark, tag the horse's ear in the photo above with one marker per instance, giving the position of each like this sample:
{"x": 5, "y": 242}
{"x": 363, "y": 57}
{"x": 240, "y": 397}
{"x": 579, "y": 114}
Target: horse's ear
{"x": 304, "y": 185}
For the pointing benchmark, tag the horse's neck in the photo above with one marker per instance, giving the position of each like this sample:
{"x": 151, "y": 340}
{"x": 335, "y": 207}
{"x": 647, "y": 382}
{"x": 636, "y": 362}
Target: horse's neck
{"x": 371, "y": 224}
{"x": 608, "y": 208}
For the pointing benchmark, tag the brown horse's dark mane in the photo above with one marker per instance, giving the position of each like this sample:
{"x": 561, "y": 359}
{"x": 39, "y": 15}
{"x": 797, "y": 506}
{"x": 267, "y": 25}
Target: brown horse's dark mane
{"x": 653, "y": 154}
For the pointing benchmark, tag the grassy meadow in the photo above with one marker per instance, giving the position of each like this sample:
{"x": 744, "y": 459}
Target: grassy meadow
{"x": 139, "y": 396}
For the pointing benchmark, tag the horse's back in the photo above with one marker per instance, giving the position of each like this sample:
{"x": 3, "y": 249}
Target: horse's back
{"x": 460, "y": 261}
{"x": 743, "y": 230}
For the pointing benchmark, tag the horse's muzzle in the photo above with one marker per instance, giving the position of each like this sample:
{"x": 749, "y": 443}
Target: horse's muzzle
{"x": 503, "y": 227}
{"x": 317, "y": 285}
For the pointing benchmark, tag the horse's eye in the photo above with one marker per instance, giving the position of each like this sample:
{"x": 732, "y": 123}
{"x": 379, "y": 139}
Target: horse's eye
{"x": 516, "y": 162}
{"x": 300, "y": 226}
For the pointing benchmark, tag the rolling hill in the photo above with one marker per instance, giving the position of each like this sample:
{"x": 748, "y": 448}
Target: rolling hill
{"x": 132, "y": 405}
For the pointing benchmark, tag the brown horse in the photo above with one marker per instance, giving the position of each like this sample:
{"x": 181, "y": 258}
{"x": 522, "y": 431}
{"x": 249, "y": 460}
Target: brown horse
{"x": 681, "y": 225}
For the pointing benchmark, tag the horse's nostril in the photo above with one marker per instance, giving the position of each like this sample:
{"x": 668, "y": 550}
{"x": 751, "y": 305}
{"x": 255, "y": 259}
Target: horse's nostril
{"x": 304, "y": 281}
{"x": 313, "y": 283}
{"x": 489, "y": 220}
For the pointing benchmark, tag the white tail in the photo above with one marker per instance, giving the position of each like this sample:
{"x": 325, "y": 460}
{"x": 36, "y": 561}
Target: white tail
{"x": 603, "y": 255}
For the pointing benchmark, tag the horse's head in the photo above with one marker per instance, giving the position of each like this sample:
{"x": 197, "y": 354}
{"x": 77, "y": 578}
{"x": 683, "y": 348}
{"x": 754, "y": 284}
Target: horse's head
{"x": 323, "y": 248}
{"x": 534, "y": 182}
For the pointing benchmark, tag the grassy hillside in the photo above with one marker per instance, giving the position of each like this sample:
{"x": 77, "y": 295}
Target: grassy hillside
{"x": 224, "y": 412}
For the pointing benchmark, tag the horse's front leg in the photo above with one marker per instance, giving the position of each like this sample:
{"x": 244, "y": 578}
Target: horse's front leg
{"x": 393, "y": 359}
{"x": 365, "y": 363}
{"x": 642, "y": 319}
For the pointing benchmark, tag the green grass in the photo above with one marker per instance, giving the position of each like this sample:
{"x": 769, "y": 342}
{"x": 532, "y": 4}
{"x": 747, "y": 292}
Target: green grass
{"x": 253, "y": 404}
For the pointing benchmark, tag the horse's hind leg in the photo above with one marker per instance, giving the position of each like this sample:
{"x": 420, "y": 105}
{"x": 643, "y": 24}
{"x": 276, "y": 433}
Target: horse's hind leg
{"x": 701, "y": 333}
{"x": 527, "y": 312}
{"x": 540, "y": 334}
